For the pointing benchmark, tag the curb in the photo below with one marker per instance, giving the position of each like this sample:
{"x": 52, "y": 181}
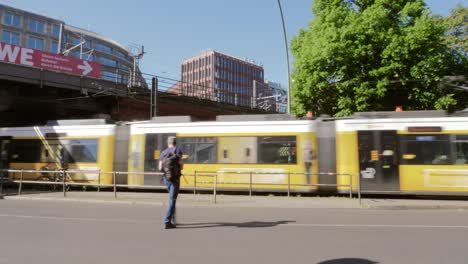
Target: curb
{"x": 91, "y": 201}
{"x": 241, "y": 204}
{"x": 420, "y": 207}
{"x": 183, "y": 203}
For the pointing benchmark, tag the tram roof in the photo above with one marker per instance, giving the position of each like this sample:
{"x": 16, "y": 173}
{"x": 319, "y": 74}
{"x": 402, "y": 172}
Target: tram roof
{"x": 79, "y": 122}
{"x": 403, "y": 114}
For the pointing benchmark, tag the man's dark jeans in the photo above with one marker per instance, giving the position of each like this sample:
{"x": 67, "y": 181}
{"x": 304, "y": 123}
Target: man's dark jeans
{"x": 173, "y": 189}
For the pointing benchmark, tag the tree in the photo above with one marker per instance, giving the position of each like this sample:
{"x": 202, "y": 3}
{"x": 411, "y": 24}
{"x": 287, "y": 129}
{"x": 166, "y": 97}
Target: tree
{"x": 370, "y": 55}
{"x": 456, "y": 39}
{"x": 457, "y": 30}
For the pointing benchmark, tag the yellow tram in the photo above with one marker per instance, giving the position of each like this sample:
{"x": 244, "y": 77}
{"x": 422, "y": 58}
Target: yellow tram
{"x": 258, "y": 154}
{"x": 61, "y": 146}
{"x": 401, "y": 154}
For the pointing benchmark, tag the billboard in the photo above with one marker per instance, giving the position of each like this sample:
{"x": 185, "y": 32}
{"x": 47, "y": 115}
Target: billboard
{"x": 48, "y": 61}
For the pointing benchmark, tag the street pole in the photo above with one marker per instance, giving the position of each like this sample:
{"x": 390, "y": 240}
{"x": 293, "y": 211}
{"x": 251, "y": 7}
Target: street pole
{"x": 154, "y": 97}
{"x": 287, "y": 58}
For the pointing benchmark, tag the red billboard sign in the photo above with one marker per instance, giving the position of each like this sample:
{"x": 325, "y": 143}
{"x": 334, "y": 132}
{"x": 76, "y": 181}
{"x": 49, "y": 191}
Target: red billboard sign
{"x": 49, "y": 61}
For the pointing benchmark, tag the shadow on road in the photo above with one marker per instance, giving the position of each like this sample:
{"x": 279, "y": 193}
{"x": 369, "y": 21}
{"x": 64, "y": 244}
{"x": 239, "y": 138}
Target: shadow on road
{"x": 253, "y": 224}
{"x": 348, "y": 261}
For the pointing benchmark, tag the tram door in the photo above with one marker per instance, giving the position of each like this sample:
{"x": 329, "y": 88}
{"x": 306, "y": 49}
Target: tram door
{"x": 378, "y": 160}
{"x": 4, "y": 156}
{"x": 155, "y": 143}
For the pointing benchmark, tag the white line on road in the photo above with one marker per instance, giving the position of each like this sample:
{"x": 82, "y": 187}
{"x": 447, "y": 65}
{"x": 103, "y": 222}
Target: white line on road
{"x": 240, "y": 224}
{"x": 379, "y": 226}
{"x": 75, "y": 219}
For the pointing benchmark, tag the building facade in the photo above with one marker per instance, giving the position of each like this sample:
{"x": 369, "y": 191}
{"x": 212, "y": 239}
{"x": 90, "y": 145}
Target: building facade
{"x": 279, "y": 95}
{"x": 219, "y": 77}
{"x": 35, "y": 31}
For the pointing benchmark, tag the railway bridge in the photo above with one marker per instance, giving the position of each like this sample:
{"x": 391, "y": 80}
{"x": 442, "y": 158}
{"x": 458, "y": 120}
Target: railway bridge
{"x": 31, "y": 96}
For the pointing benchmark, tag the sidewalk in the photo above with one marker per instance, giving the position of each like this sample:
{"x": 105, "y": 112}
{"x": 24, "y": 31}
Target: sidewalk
{"x": 207, "y": 200}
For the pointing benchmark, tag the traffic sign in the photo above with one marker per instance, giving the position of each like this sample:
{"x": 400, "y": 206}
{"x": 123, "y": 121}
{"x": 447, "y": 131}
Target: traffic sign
{"x": 49, "y": 61}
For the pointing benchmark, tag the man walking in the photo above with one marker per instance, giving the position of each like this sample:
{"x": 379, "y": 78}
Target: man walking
{"x": 170, "y": 163}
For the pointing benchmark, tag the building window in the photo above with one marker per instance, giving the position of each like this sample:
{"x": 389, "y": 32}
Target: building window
{"x": 124, "y": 67}
{"x": 109, "y": 76}
{"x": 108, "y": 62}
{"x": 87, "y": 44}
{"x": 85, "y": 56}
{"x": 54, "y": 47}
{"x": 120, "y": 54}
{"x": 11, "y": 38}
{"x": 35, "y": 43}
{"x": 103, "y": 48}
{"x": 75, "y": 40}
{"x": 11, "y": 19}
{"x": 56, "y": 31}
{"x": 36, "y": 26}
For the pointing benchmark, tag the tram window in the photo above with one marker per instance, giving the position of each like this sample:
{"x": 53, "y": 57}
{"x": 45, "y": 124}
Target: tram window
{"x": 83, "y": 150}
{"x": 151, "y": 145}
{"x": 26, "y": 150}
{"x": 199, "y": 149}
{"x": 426, "y": 149}
{"x": 277, "y": 150}
{"x": 461, "y": 148}
{"x": 52, "y": 150}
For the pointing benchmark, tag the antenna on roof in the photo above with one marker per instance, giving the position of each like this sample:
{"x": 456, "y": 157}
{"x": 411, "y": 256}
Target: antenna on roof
{"x": 138, "y": 55}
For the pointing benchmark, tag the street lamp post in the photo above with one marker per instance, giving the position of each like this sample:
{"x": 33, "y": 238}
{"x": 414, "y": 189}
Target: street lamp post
{"x": 287, "y": 58}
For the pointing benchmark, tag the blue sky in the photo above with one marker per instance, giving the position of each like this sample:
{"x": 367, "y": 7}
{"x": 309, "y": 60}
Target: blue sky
{"x": 174, "y": 30}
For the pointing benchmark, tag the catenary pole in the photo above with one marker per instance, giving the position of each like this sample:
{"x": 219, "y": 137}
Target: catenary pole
{"x": 287, "y": 58}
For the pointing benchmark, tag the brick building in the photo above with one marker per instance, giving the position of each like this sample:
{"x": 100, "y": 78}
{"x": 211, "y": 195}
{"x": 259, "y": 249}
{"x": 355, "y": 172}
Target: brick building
{"x": 219, "y": 77}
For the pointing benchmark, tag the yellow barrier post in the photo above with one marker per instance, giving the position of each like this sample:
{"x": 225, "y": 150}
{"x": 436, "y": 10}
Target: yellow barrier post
{"x": 215, "y": 186}
{"x": 195, "y": 182}
{"x": 115, "y": 186}
{"x": 64, "y": 181}
{"x": 21, "y": 183}
{"x": 250, "y": 184}
{"x": 99, "y": 181}
{"x": 289, "y": 183}
{"x": 1, "y": 185}
{"x": 359, "y": 188}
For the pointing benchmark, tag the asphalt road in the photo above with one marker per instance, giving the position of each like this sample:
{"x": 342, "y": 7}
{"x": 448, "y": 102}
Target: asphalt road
{"x": 66, "y": 232}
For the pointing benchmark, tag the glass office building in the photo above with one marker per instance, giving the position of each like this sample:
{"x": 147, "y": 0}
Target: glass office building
{"x": 35, "y": 31}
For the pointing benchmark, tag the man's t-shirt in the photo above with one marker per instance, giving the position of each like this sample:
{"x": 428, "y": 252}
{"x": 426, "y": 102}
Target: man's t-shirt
{"x": 165, "y": 153}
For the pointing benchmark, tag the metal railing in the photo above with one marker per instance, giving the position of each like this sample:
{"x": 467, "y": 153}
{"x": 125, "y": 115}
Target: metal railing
{"x": 66, "y": 180}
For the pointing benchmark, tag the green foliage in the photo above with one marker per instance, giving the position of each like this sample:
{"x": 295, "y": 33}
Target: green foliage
{"x": 371, "y": 55}
{"x": 456, "y": 39}
{"x": 457, "y": 30}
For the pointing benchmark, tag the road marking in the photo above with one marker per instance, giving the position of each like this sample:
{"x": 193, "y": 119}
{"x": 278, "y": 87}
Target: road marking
{"x": 76, "y": 219}
{"x": 240, "y": 224}
{"x": 379, "y": 226}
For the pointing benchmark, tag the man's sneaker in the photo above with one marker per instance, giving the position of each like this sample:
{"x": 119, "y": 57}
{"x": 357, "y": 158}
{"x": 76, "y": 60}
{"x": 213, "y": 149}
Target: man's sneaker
{"x": 169, "y": 226}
